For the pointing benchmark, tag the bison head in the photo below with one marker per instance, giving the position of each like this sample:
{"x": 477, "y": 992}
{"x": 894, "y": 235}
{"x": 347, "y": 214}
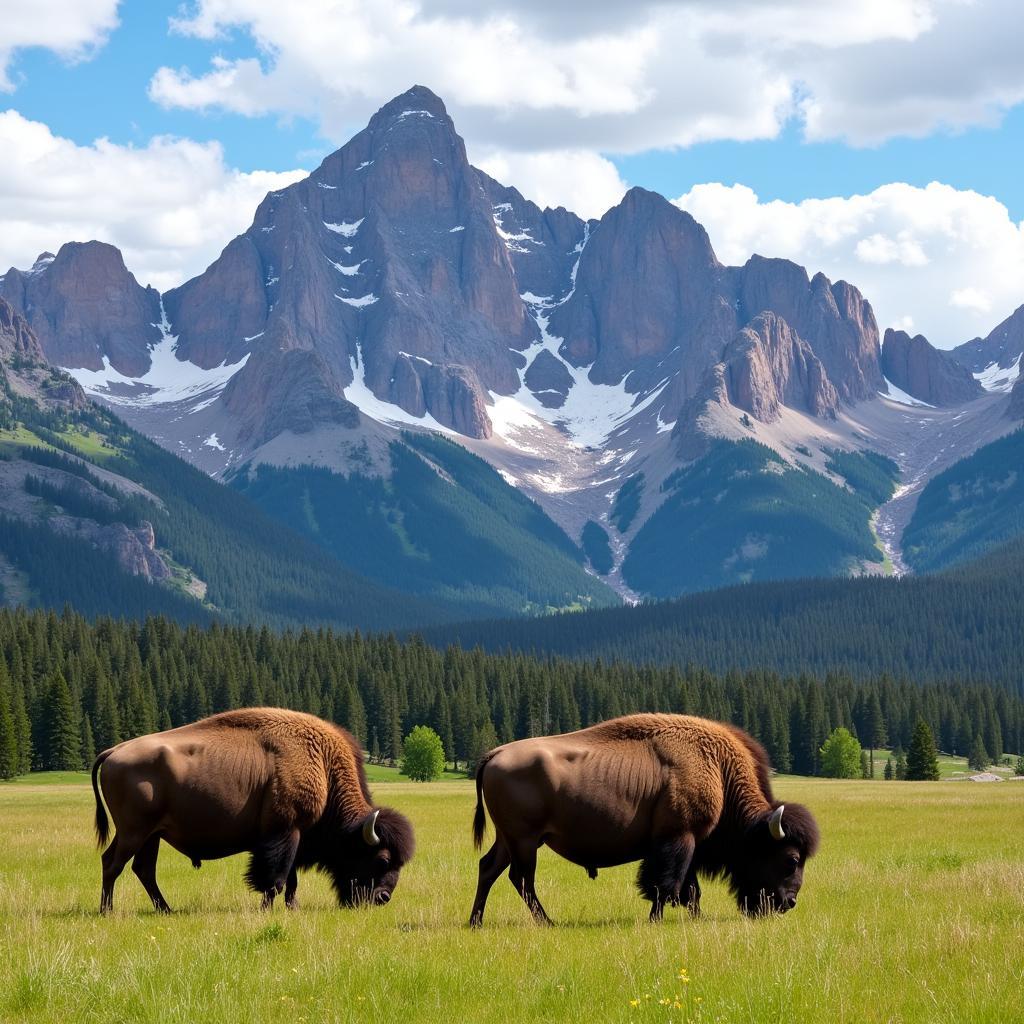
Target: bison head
{"x": 767, "y": 875}
{"x": 365, "y": 868}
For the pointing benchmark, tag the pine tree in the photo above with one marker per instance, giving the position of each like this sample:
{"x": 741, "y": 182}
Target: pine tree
{"x": 9, "y": 760}
{"x": 877, "y": 736}
{"x": 62, "y": 750}
{"x": 867, "y": 768}
{"x": 979, "y": 759}
{"x": 88, "y": 745}
{"x": 901, "y": 764}
{"x": 922, "y": 758}
{"x": 888, "y": 774}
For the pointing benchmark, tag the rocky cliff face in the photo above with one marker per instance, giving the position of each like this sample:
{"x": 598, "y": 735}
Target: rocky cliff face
{"x": 398, "y": 279}
{"x": 17, "y": 339}
{"x": 1001, "y": 348}
{"x": 24, "y": 369}
{"x": 85, "y": 306}
{"x": 387, "y": 258}
{"x": 834, "y": 319}
{"x": 768, "y": 365}
{"x": 925, "y": 373}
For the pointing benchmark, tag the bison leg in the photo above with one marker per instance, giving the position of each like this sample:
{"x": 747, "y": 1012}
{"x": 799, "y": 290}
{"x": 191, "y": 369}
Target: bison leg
{"x": 691, "y": 893}
{"x": 144, "y": 866}
{"x": 270, "y": 865}
{"x": 663, "y": 871}
{"x": 492, "y": 864}
{"x": 114, "y": 858}
{"x": 521, "y": 874}
{"x": 290, "y": 900}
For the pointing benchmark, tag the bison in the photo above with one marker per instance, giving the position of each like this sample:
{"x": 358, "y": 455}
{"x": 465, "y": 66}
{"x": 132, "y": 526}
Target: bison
{"x": 285, "y": 787}
{"x": 685, "y": 796}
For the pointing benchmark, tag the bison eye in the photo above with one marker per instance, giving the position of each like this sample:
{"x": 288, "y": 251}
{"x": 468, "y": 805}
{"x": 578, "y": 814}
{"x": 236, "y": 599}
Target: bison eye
{"x": 384, "y": 857}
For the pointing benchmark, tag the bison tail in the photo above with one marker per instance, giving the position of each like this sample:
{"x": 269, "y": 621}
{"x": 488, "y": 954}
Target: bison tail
{"x": 102, "y": 823}
{"x": 480, "y": 818}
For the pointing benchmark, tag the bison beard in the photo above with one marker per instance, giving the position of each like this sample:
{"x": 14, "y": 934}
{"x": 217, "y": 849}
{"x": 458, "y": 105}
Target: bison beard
{"x": 684, "y": 796}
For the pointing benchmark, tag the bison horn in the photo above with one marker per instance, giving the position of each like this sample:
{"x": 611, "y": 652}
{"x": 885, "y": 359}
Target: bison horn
{"x": 370, "y": 836}
{"x": 775, "y": 823}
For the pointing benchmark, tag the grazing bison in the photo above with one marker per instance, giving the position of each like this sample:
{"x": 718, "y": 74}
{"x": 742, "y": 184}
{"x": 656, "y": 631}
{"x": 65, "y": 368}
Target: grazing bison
{"x": 684, "y": 796}
{"x": 285, "y": 787}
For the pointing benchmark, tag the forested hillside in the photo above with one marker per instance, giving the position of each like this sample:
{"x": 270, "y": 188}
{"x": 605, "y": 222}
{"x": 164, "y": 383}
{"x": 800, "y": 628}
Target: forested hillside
{"x": 444, "y": 524}
{"x": 972, "y": 507}
{"x": 741, "y": 513}
{"x": 76, "y": 475}
{"x": 962, "y": 625}
{"x": 69, "y": 688}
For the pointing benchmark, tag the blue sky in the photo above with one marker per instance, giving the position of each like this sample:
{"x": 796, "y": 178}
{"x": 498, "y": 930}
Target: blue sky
{"x": 724, "y": 107}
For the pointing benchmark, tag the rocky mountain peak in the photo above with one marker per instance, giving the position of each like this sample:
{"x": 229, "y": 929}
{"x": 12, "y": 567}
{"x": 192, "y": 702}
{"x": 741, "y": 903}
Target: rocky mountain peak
{"x": 85, "y": 307}
{"x": 925, "y": 373}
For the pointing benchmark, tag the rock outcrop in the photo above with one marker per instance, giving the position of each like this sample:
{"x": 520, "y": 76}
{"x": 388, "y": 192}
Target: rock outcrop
{"x": 134, "y": 550}
{"x": 768, "y": 366}
{"x": 17, "y": 340}
{"x": 925, "y": 373}
{"x": 85, "y": 306}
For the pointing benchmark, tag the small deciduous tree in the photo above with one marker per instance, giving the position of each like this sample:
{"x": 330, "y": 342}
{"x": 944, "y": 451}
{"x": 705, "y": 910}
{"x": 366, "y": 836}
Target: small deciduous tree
{"x": 922, "y": 757}
{"x": 1018, "y": 768}
{"x": 840, "y": 755}
{"x": 422, "y": 755}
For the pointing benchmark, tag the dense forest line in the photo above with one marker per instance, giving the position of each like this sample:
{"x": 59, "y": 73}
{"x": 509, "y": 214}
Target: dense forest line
{"x": 960, "y": 625}
{"x": 70, "y": 687}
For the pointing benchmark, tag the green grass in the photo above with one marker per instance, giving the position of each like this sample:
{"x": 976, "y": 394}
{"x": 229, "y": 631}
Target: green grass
{"x": 390, "y": 773}
{"x": 913, "y": 911}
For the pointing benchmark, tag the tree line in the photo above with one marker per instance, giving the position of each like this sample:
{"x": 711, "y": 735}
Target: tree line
{"x": 70, "y": 687}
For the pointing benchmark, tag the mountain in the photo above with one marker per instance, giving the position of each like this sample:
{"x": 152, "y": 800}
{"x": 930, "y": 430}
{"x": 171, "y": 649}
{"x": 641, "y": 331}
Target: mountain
{"x": 399, "y": 290}
{"x": 970, "y": 508}
{"x": 996, "y": 359}
{"x": 86, "y": 308}
{"x": 95, "y": 515}
{"x": 923, "y": 372}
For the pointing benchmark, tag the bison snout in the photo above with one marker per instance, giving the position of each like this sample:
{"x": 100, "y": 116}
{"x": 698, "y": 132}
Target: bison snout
{"x": 381, "y": 896}
{"x": 789, "y": 903}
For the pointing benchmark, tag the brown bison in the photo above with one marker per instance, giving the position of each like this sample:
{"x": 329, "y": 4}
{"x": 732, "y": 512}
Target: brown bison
{"x": 285, "y": 787}
{"x": 684, "y": 796}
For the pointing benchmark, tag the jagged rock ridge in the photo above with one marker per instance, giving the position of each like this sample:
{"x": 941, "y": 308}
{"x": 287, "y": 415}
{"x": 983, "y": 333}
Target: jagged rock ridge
{"x": 925, "y": 373}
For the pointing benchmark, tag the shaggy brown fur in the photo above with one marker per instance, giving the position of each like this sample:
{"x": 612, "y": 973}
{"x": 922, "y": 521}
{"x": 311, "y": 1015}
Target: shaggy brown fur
{"x": 680, "y": 794}
{"x": 286, "y": 787}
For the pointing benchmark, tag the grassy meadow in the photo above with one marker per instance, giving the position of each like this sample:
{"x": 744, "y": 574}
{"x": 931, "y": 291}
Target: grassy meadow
{"x": 913, "y": 911}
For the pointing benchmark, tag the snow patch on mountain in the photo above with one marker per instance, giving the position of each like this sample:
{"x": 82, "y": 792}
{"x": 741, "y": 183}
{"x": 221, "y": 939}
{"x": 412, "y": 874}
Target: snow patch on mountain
{"x": 896, "y": 394}
{"x": 168, "y": 379}
{"x": 363, "y": 300}
{"x": 363, "y": 398}
{"x": 346, "y": 228}
{"x": 999, "y": 378}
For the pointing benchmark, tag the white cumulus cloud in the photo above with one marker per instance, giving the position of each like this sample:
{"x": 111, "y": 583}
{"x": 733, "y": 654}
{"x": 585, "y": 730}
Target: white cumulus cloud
{"x": 616, "y": 76}
{"x": 579, "y": 180}
{"x": 949, "y": 263}
{"x": 71, "y": 28}
{"x": 170, "y": 206}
